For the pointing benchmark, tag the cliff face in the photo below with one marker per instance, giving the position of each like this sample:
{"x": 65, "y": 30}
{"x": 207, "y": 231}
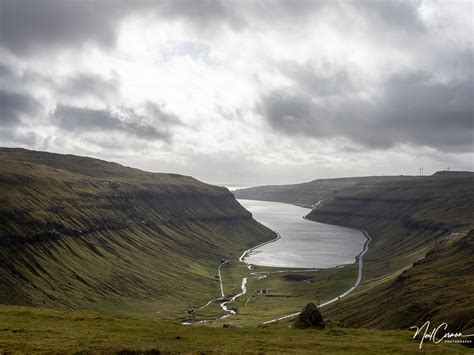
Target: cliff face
{"x": 416, "y": 268}
{"x": 83, "y": 233}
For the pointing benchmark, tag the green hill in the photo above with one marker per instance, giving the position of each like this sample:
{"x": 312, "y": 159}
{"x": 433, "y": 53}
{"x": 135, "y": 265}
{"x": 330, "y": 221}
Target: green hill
{"x": 420, "y": 263}
{"x": 81, "y": 233}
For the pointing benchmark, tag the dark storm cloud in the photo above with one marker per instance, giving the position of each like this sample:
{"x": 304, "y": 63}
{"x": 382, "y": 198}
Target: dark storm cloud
{"x": 27, "y": 27}
{"x": 411, "y": 108}
{"x": 85, "y": 120}
{"x": 14, "y": 107}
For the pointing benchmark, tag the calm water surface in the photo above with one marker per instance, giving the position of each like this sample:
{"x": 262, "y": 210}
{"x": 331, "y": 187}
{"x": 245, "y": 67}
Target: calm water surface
{"x": 303, "y": 244}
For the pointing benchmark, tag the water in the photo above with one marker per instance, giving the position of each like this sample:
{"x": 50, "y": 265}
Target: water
{"x": 303, "y": 244}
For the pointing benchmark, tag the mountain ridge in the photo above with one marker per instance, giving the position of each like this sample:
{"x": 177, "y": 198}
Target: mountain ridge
{"x": 113, "y": 238}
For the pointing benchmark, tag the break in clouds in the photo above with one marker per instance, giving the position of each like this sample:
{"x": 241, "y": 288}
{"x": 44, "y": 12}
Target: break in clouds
{"x": 242, "y": 92}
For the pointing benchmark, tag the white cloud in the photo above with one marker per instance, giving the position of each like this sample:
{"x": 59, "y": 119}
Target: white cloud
{"x": 213, "y": 65}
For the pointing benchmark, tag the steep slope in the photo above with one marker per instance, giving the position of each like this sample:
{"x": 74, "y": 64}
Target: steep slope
{"x": 78, "y": 232}
{"x": 309, "y": 193}
{"x": 420, "y": 262}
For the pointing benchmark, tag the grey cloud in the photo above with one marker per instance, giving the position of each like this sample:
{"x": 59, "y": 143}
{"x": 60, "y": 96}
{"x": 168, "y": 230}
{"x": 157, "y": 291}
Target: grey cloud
{"x": 412, "y": 108}
{"x": 157, "y": 113}
{"x": 286, "y": 11}
{"x": 28, "y": 27}
{"x": 85, "y": 120}
{"x": 13, "y": 136}
{"x": 204, "y": 13}
{"x": 325, "y": 80}
{"x": 14, "y": 106}
{"x": 422, "y": 111}
{"x": 88, "y": 84}
{"x": 295, "y": 114}
{"x": 400, "y": 15}
{"x": 379, "y": 17}
{"x": 5, "y": 71}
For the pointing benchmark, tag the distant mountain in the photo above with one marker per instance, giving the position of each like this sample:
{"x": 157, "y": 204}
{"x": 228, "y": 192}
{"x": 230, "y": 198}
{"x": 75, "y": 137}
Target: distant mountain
{"x": 78, "y": 232}
{"x": 450, "y": 174}
{"x": 309, "y": 193}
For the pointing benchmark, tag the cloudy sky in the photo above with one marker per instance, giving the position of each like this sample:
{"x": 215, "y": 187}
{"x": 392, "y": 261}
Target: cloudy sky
{"x": 244, "y": 92}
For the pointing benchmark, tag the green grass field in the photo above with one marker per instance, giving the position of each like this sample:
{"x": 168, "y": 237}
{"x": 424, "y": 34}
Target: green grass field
{"x": 286, "y": 291}
{"x": 25, "y": 329}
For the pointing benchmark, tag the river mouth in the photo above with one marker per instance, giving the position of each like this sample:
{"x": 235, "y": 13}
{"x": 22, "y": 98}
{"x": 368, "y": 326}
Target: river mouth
{"x": 303, "y": 243}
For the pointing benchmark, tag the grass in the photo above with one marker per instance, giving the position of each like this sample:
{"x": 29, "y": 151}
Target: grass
{"x": 286, "y": 291}
{"x": 25, "y": 329}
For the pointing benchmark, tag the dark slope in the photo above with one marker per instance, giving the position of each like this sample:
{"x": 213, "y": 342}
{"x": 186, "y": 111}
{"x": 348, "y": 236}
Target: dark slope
{"x": 78, "y": 232}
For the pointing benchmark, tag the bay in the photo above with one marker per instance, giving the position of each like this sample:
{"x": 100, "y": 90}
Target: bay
{"x": 303, "y": 243}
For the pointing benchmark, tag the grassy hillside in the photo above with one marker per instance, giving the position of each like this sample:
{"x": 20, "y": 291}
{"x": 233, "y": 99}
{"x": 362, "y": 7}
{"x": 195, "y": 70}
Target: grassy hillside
{"x": 81, "y": 233}
{"x": 29, "y": 330}
{"x": 421, "y": 259}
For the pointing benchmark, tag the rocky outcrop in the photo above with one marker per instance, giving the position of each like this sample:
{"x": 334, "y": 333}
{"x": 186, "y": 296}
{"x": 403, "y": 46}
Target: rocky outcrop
{"x": 310, "y": 317}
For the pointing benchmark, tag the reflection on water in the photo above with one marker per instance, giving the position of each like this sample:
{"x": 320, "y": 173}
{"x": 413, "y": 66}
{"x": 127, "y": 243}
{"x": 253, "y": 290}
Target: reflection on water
{"x": 303, "y": 243}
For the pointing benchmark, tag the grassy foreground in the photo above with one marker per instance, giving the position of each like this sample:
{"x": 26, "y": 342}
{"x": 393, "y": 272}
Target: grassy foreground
{"x": 27, "y": 329}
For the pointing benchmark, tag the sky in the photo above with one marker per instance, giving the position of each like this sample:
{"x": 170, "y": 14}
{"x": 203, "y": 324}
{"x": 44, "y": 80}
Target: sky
{"x": 242, "y": 93}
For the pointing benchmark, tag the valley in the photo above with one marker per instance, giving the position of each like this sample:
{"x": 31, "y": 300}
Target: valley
{"x": 100, "y": 257}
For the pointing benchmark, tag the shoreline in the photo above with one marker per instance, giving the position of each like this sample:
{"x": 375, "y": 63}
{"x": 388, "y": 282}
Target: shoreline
{"x": 359, "y": 261}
